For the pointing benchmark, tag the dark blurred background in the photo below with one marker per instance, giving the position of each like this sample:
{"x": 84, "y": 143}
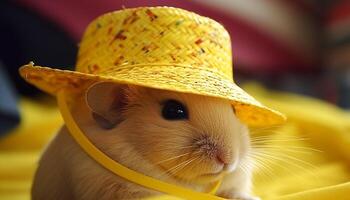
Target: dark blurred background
{"x": 300, "y": 46}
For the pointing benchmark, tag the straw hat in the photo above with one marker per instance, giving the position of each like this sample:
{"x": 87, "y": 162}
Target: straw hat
{"x": 157, "y": 47}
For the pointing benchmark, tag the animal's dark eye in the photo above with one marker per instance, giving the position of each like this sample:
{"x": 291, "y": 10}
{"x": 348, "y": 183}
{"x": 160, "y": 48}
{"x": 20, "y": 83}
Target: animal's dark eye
{"x": 174, "y": 110}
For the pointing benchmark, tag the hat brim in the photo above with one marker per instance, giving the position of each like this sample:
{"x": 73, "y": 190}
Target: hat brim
{"x": 187, "y": 80}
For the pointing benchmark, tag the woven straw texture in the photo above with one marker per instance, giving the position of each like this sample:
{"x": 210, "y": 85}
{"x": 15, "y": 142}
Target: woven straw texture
{"x": 159, "y": 47}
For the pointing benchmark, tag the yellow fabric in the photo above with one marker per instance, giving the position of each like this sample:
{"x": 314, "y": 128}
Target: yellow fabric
{"x": 157, "y": 47}
{"x": 326, "y": 128}
{"x": 121, "y": 170}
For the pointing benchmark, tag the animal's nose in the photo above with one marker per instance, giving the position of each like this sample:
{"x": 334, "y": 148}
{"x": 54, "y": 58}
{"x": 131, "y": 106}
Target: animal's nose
{"x": 229, "y": 163}
{"x": 223, "y": 158}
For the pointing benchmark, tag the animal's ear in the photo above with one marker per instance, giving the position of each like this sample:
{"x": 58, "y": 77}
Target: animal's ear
{"x": 106, "y": 101}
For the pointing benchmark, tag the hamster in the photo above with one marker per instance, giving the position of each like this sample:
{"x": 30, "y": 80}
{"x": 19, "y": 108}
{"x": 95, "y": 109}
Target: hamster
{"x": 180, "y": 138}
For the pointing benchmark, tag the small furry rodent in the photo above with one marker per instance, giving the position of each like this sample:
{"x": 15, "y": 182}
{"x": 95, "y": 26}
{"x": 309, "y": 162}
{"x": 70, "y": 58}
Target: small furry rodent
{"x": 180, "y": 138}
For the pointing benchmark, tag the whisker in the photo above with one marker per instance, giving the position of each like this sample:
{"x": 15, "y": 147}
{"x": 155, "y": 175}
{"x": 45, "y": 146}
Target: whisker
{"x": 266, "y": 128}
{"x": 280, "y": 157}
{"x": 273, "y": 137}
{"x": 174, "y": 167}
{"x": 244, "y": 169}
{"x": 293, "y": 158}
{"x": 279, "y": 135}
{"x": 281, "y": 166}
{"x": 183, "y": 166}
{"x": 267, "y": 168}
{"x": 277, "y": 140}
{"x": 172, "y": 158}
{"x": 169, "y": 171}
{"x": 287, "y": 150}
{"x": 179, "y": 167}
{"x": 175, "y": 148}
{"x": 283, "y": 147}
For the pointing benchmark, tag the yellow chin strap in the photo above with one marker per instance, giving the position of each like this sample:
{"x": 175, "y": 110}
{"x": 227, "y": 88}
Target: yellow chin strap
{"x": 123, "y": 171}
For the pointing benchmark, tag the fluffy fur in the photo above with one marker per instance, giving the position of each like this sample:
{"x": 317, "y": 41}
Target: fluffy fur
{"x": 142, "y": 140}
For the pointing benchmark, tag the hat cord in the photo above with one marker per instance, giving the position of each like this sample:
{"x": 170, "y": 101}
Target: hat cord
{"x": 123, "y": 171}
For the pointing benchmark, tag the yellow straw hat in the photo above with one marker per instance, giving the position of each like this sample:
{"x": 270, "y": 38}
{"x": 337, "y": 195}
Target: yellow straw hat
{"x": 157, "y": 47}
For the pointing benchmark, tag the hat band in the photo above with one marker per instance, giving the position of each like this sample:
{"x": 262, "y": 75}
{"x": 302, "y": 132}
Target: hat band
{"x": 123, "y": 171}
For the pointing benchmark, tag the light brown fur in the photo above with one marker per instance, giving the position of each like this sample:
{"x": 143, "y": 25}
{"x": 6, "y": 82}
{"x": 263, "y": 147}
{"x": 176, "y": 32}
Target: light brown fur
{"x": 142, "y": 141}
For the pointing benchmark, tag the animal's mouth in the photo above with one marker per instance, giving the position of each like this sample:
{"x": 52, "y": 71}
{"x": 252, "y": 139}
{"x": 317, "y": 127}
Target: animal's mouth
{"x": 214, "y": 174}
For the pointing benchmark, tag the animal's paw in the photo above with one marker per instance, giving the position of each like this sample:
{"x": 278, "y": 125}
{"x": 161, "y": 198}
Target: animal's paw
{"x": 244, "y": 197}
{"x": 238, "y": 196}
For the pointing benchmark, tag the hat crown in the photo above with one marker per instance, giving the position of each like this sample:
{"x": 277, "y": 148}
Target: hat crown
{"x": 160, "y": 47}
{"x": 155, "y": 36}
